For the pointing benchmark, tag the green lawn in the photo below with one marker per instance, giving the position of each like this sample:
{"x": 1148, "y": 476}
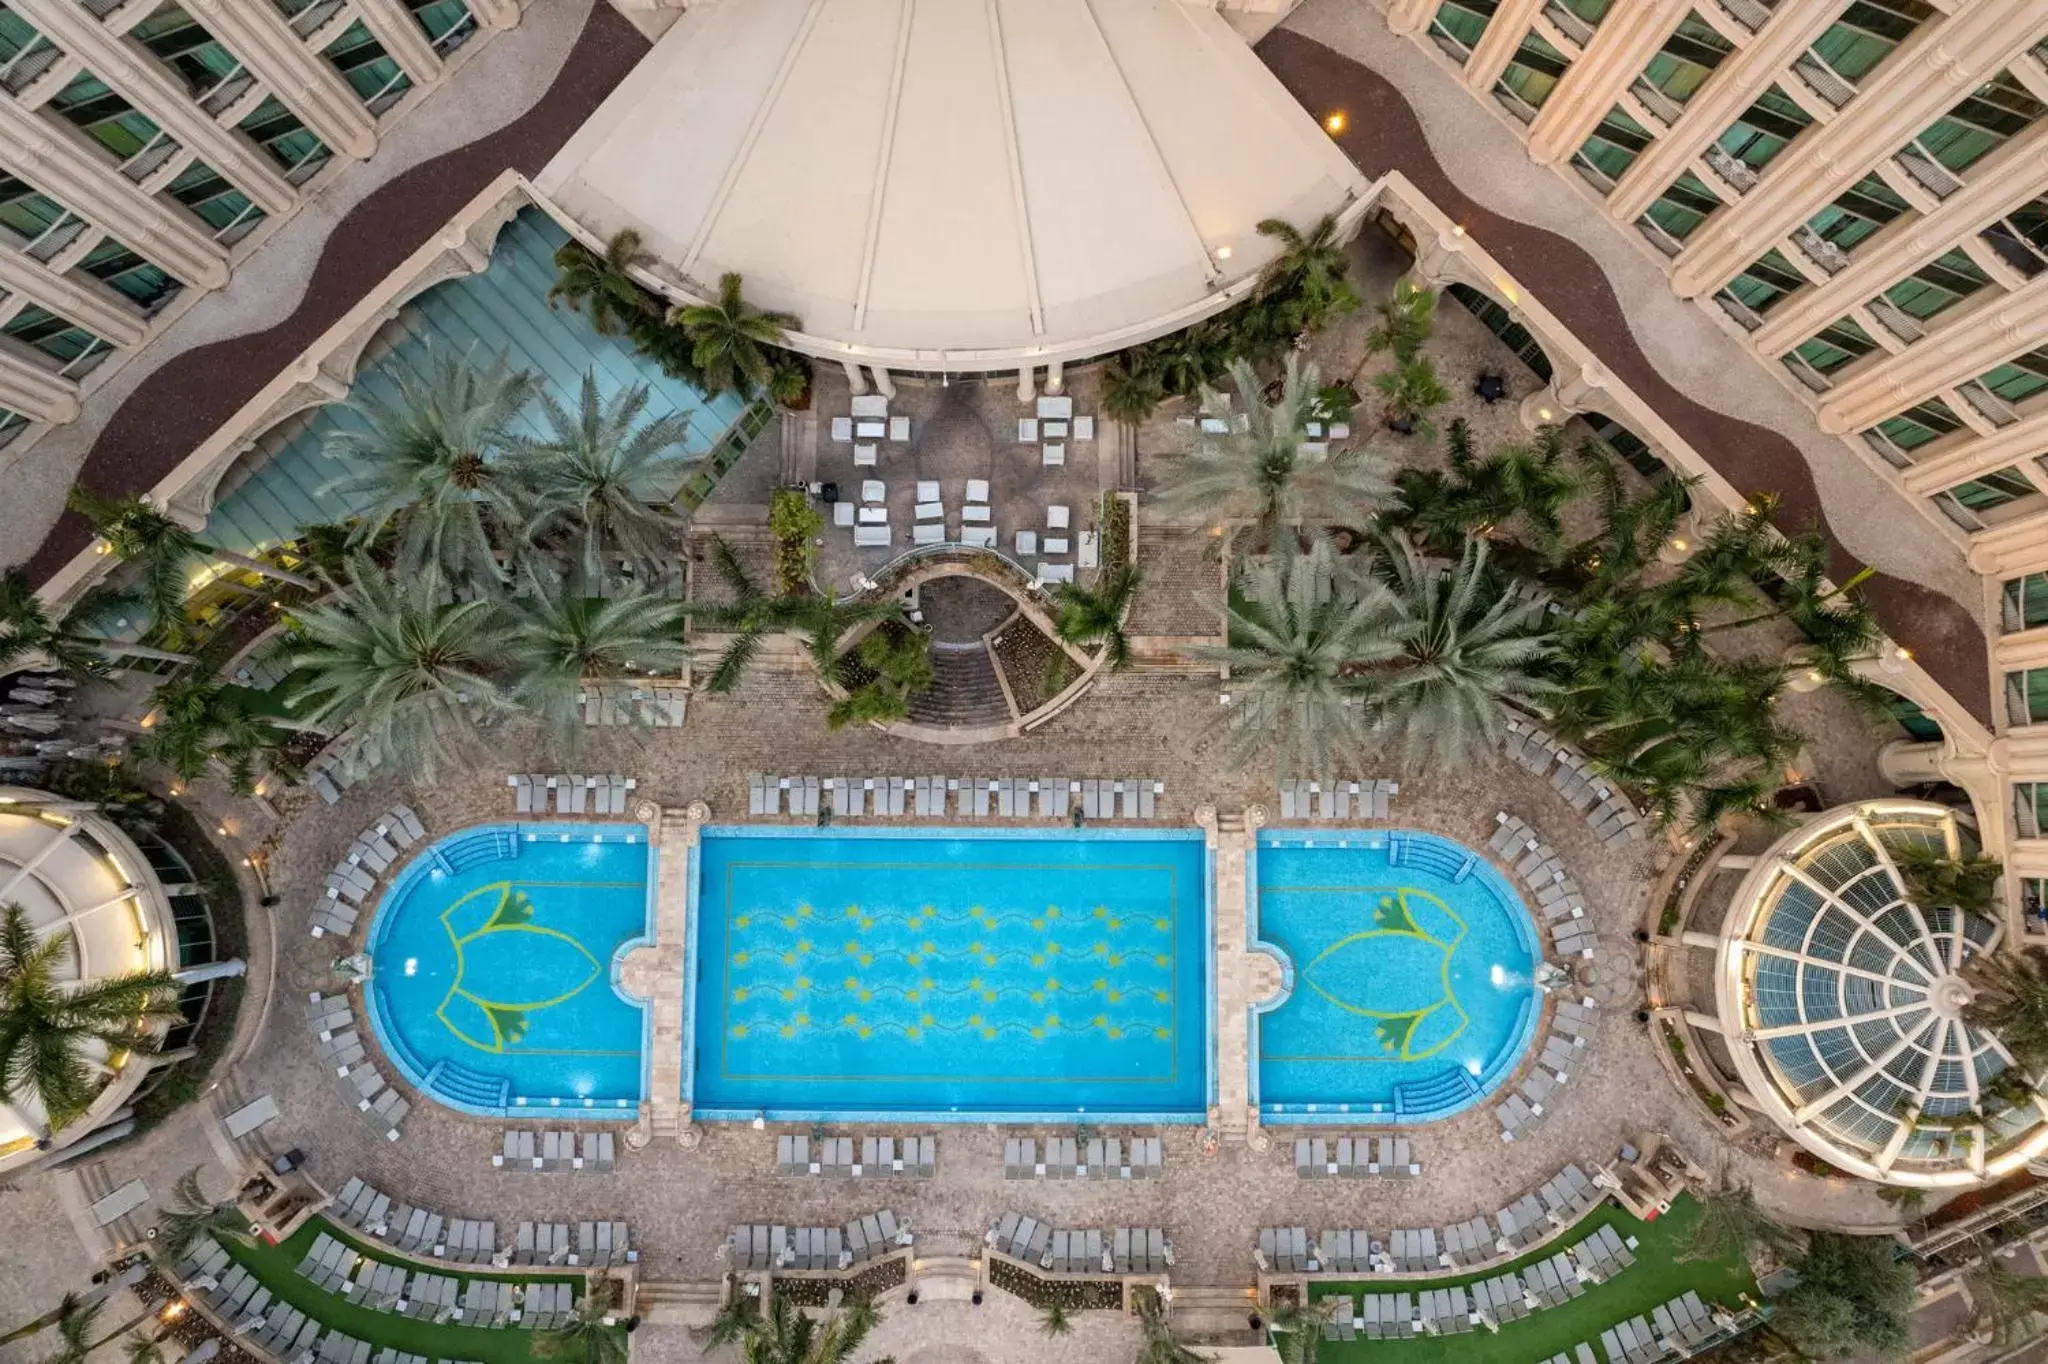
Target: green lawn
{"x": 275, "y": 1266}
{"x": 1656, "y": 1277}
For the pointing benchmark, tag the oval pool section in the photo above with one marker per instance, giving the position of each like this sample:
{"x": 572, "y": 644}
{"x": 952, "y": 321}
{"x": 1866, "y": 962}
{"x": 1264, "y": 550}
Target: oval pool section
{"x": 1409, "y": 961}
{"x": 492, "y": 969}
{"x": 950, "y": 975}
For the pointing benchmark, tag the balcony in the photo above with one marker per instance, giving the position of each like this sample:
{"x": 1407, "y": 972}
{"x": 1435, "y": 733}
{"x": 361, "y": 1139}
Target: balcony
{"x": 311, "y": 19}
{"x": 1593, "y": 175}
{"x": 55, "y": 238}
{"x": 223, "y": 96}
{"x": 1934, "y": 177}
{"x": 1747, "y": 13}
{"x": 1897, "y": 321}
{"x": 1748, "y": 318}
{"x": 1995, "y": 409}
{"x": 2015, "y": 250}
{"x": 1806, "y": 373}
{"x": 1513, "y": 102}
{"x": 1822, "y": 80}
{"x": 1569, "y": 24}
{"x": 145, "y": 163}
{"x": 1887, "y": 450}
{"x": 1821, "y": 251}
{"x": 29, "y": 64}
{"x": 1736, "y": 174}
{"x": 1667, "y": 110}
{"x": 1659, "y": 238}
{"x": 100, "y": 9}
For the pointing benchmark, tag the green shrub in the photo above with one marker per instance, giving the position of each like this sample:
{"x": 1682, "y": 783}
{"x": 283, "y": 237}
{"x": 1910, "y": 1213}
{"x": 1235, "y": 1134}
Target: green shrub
{"x": 794, "y": 523}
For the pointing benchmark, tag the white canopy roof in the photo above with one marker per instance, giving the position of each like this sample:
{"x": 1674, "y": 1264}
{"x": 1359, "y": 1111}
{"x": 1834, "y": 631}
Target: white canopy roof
{"x": 1000, "y": 180}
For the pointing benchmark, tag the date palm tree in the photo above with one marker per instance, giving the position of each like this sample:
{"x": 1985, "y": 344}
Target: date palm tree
{"x": 162, "y": 551}
{"x": 2007, "y": 1301}
{"x": 190, "y": 1216}
{"x": 1474, "y": 647}
{"x": 47, "y": 1024}
{"x": 1055, "y": 1320}
{"x": 751, "y": 615}
{"x": 29, "y": 633}
{"x": 1131, "y": 388}
{"x": 1730, "y": 1225}
{"x": 1300, "y": 628}
{"x": 1300, "y": 1328}
{"x": 603, "y": 285}
{"x": 1409, "y": 392}
{"x": 592, "y": 1335}
{"x": 1515, "y": 493}
{"x": 429, "y": 467}
{"x": 412, "y": 672}
{"x": 2011, "y": 1002}
{"x": 1263, "y": 466}
{"x": 1312, "y": 271}
{"x": 1402, "y": 322}
{"x": 1095, "y": 615}
{"x": 730, "y": 337}
{"x": 600, "y": 481}
{"x": 555, "y": 641}
{"x": 786, "y": 1335}
{"x": 200, "y": 723}
{"x": 1158, "y": 1345}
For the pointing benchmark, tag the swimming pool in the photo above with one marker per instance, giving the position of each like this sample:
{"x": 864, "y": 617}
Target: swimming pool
{"x": 493, "y": 967}
{"x": 949, "y": 974}
{"x": 1408, "y": 959}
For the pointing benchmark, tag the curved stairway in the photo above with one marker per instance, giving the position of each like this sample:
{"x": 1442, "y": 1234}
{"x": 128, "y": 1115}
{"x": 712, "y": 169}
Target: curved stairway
{"x": 964, "y": 693}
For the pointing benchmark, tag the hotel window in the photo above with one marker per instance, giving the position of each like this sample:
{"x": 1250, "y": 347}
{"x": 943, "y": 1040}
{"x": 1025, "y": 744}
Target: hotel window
{"x": 2019, "y": 378}
{"x": 1993, "y": 113}
{"x": 2029, "y": 808}
{"x": 1773, "y": 120}
{"x": 448, "y": 24}
{"x": 74, "y": 349}
{"x": 130, "y": 136}
{"x": 1965, "y": 502}
{"x": 222, "y": 207}
{"x": 1766, "y": 284}
{"x": 43, "y": 225}
{"x": 2026, "y": 696}
{"x": 1919, "y": 424}
{"x": 145, "y": 283}
{"x": 1867, "y": 33}
{"x": 25, "y": 53}
{"x": 1839, "y": 343}
{"x": 2020, "y": 238}
{"x": 370, "y": 71}
{"x": 1459, "y": 24}
{"x": 1531, "y": 74}
{"x": 1937, "y": 286}
{"x": 1613, "y": 147}
{"x": 212, "y": 75}
{"x": 1681, "y": 208}
{"x": 307, "y": 17}
{"x": 1860, "y": 211}
{"x": 276, "y": 129}
{"x": 2023, "y": 604}
{"x": 1688, "y": 57}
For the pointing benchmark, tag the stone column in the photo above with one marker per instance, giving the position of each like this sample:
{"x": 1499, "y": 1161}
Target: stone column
{"x": 1925, "y": 78}
{"x": 391, "y": 24}
{"x": 884, "y": 385}
{"x": 1736, "y": 83}
{"x": 151, "y": 88}
{"x": 495, "y": 14}
{"x": 1626, "y": 39}
{"x": 1410, "y": 18}
{"x": 1903, "y": 762}
{"x": 295, "y": 73}
{"x": 1504, "y": 33}
{"x": 1956, "y": 350}
{"x": 1027, "y": 384}
{"x": 36, "y": 393}
{"x": 94, "y": 309}
{"x": 1055, "y": 381}
{"x": 855, "y": 379}
{"x": 219, "y": 970}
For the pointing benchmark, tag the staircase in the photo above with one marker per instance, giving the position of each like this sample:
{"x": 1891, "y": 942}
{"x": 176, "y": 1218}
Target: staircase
{"x": 1214, "y": 1316}
{"x": 681, "y": 1303}
{"x": 947, "y": 1278}
{"x": 964, "y": 693}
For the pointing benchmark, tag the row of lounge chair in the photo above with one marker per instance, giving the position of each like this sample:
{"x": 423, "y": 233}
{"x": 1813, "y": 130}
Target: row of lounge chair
{"x": 428, "y": 1235}
{"x": 330, "y": 774}
{"x": 575, "y": 794}
{"x": 356, "y": 875}
{"x": 1677, "y": 1327}
{"x": 1489, "y": 1302}
{"x": 557, "y": 1151}
{"x": 1613, "y": 818}
{"x": 591, "y": 1245}
{"x": 765, "y": 1248}
{"x": 1563, "y": 1050}
{"x": 1355, "y": 1158}
{"x": 1542, "y": 871}
{"x": 1337, "y": 799}
{"x": 977, "y": 797}
{"x": 1127, "y": 1250}
{"x": 1074, "y": 1158}
{"x": 331, "y": 1021}
{"x": 650, "y": 707}
{"x": 877, "y": 1156}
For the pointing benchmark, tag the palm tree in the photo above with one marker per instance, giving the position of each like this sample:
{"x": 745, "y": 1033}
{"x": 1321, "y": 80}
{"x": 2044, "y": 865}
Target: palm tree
{"x": 591, "y": 1336}
{"x": 1970, "y": 883}
{"x": 200, "y": 722}
{"x": 1159, "y": 1346}
{"x": 752, "y": 615}
{"x": 1516, "y": 494}
{"x": 137, "y": 533}
{"x": 899, "y": 666}
{"x": 69, "y": 1306}
{"x": 28, "y": 632}
{"x": 1096, "y": 615}
{"x": 1312, "y": 271}
{"x": 143, "y": 1350}
{"x": 556, "y": 641}
{"x": 596, "y": 481}
{"x": 410, "y": 671}
{"x": 74, "y": 1332}
{"x": 1408, "y": 392}
{"x": 603, "y": 285}
{"x": 1264, "y": 466}
{"x": 1055, "y": 1320}
{"x": 1473, "y": 649}
{"x": 191, "y": 1215}
{"x": 1300, "y": 1328}
{"x": 786, "y": 1335}
{"x": 1131, "y": 389}
{"x": 729, "y": 335}
{"x": 46, "y": 1023}
{"x": 736, "y": 1318}
{"x": 1299, "y": 628}
{"x": 1730, "y": 1225}
{"x": 2011, "y": 1002}
{"x": 2006, "y": 1299}
{"x": 425, "y": 465}
{"x": 1403, "y": 322}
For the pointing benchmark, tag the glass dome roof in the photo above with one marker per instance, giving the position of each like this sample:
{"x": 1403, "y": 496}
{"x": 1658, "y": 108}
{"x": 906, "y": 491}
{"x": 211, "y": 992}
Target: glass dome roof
{"x": 1849, "y": 1003}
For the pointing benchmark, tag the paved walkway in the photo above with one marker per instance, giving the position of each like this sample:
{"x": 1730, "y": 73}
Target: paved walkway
{"x": 1406, "y": 114}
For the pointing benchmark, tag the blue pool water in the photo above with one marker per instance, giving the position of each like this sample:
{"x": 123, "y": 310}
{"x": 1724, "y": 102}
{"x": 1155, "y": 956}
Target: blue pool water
{"x": 492, "y": 968}
{"x": 1410, "y": 959}
{"x": 950, "y": 974}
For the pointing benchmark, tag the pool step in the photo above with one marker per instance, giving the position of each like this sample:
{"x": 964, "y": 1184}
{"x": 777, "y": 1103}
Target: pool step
{"x": 464, "y": 1086}
{"x": 946, "y": 1278}
{"x": 474, "y": 850}
{"x": 1446, "y": 1089}
{"x": 1451, "y": 863}
{"x": 964, "y": 693}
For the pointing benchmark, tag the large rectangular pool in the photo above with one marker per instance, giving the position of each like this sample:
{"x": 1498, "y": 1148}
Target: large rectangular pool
{"x": 950, "y": 974}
